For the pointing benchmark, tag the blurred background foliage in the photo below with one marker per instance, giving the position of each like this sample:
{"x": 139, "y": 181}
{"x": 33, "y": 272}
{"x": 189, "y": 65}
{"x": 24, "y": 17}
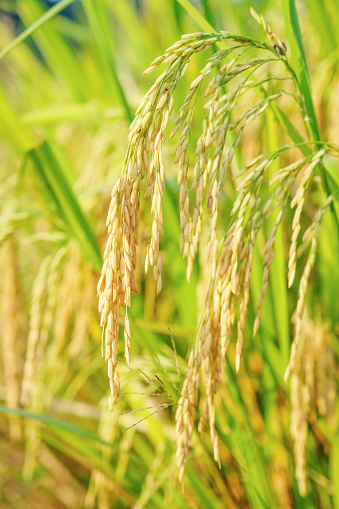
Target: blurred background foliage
{"x": 68, "y": 92}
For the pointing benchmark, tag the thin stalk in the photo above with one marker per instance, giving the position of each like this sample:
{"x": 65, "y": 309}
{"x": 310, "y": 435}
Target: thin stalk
{"x": 198, "y": 18}
{"x": 51, "y": 13}
{"x": 303, "y": 83}
{"x": 207, "y": 11}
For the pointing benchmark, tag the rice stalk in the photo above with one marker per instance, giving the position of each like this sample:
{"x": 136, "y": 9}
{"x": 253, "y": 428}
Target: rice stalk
{"x": 231, "y": 258}
{"x": 41, "y": 317}
{"x": 100, "y": 487}
{"x": 10, "y": 333}
{"x": 312, "y": 387}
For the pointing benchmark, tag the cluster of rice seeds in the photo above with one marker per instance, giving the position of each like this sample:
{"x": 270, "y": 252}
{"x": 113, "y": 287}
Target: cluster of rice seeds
{"x": 248, "y": 198}
{"x": 312, "y": 385}
{"x": 146, "y": 137}
{"x": 219, "y": 317}
{"x": 117, "y": 279}
{"x": 214, "y": 131}
{"x": 284, "y": 179}
{"x": 231, "y": 282}
{"x": 310, "y": 237}
{"x": 36, "y": 312}
{"x": 79, "y": 344}
{"x": 185, "y": 414}
{"x": 191, "y": 227}
{"x": 279, "y": 46}
{"x": 298, "y": 201}
{"x": 99, "y": 487}
{"x": 300, "y": 406}
{"x": 222, "y": 158}
{"x": 182, "y": 159}
{"x": 41, "y": 316}
{"x": 211, "y": 361}
{"x": 68, "y": 293}
{"x": 10, "y": 333}
{"x": 232, "y": 263}
{"x": 220, "y": 306}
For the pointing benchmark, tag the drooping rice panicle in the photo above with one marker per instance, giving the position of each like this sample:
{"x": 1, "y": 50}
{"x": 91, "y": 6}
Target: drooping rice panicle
{"x": 10, "y": 333}
{"x": 231, "y": 258}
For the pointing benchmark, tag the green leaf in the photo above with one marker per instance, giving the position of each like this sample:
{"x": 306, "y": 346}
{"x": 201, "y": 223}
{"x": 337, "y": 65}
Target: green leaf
{"x": 53, "y": 11}
{"x": 206, "y": 496}
{"x": 89, "y": 457}
{"x": 322, "y": 21}
{"x": 332, "y": 172}
{"x": 58, "y": 55}
{"x": 299, "y": 65}
{"x": 300, "y": 69}
{"x": 278, "y": 269}
{"x": 198, "y": 18}
{"x": 57, "y": 423}
{"x": 251, "y": 452}
{"x": 98, "y": 19}
{"x": 60, "y": 192}
{"x": 185, "y": 292}
{"x": 12, "y": 129}
{"x": 74, "y": 112}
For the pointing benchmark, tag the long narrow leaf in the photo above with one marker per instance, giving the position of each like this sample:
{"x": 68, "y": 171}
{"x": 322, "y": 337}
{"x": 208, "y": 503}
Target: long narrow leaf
{"x": 300, "y": 69}
{"x": 49, "y": 171}
{"x": 278, "y": 271}
{"x": 299, "y": 64}
{"x": 198, "y": 18}
{"x": 53, "y": 11}
{"x": 58, "y": 423}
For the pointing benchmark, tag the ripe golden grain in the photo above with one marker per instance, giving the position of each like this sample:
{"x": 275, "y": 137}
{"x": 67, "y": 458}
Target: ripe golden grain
{"x": 10, "y": 333}
{"x": 232, "y": 257}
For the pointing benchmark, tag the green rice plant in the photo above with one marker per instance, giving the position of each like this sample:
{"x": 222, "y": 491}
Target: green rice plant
{"x": 237, "y": 74}
{"x": 68, "y": 86}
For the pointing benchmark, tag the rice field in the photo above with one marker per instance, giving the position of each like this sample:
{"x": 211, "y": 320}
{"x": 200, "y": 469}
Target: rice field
{"x": 169, "y": 244}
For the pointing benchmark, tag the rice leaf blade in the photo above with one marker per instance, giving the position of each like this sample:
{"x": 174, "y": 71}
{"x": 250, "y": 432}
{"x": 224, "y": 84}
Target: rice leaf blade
{"x": 51, "y": 174}
{"x": 53, "y": 11}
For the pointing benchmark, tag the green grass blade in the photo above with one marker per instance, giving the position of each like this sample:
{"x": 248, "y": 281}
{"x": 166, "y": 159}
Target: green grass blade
{"x": 289, "y": 128}
{"x": 89, "y": 458}
{"x": 58, "y": 423}
{"x": 278, "y": 270}
{"x": 208, "y": 11}
{"x": 206, "y": 496}
{"x": 334, "y": 472}
{"x": 300, "y": 69}
{"x": 58, "y": 54}
{"x": 323, "y": 25}
{"x": 53, "y": 11}
{"x": 255, "y": 463}
{"x": 185, "y": 292}
{"x": 52, "y": 175}
{"x": 332, "y": 171}
{"x": 97, "y": 17}
{"x": 196, "y": 16}
{"x": 69, "y": 439}
{"x": 12, "y": 129}
{"x": 299, "y": 64}
{"x": 74, "y": 112}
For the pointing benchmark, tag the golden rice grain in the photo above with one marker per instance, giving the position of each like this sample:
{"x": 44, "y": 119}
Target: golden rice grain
{"x": 232, "y": 257}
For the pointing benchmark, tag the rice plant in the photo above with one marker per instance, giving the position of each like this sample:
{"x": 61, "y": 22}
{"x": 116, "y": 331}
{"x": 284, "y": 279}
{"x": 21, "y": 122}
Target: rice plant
{"x": 228, "y": 197}
{"x": 231, "y": 258}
